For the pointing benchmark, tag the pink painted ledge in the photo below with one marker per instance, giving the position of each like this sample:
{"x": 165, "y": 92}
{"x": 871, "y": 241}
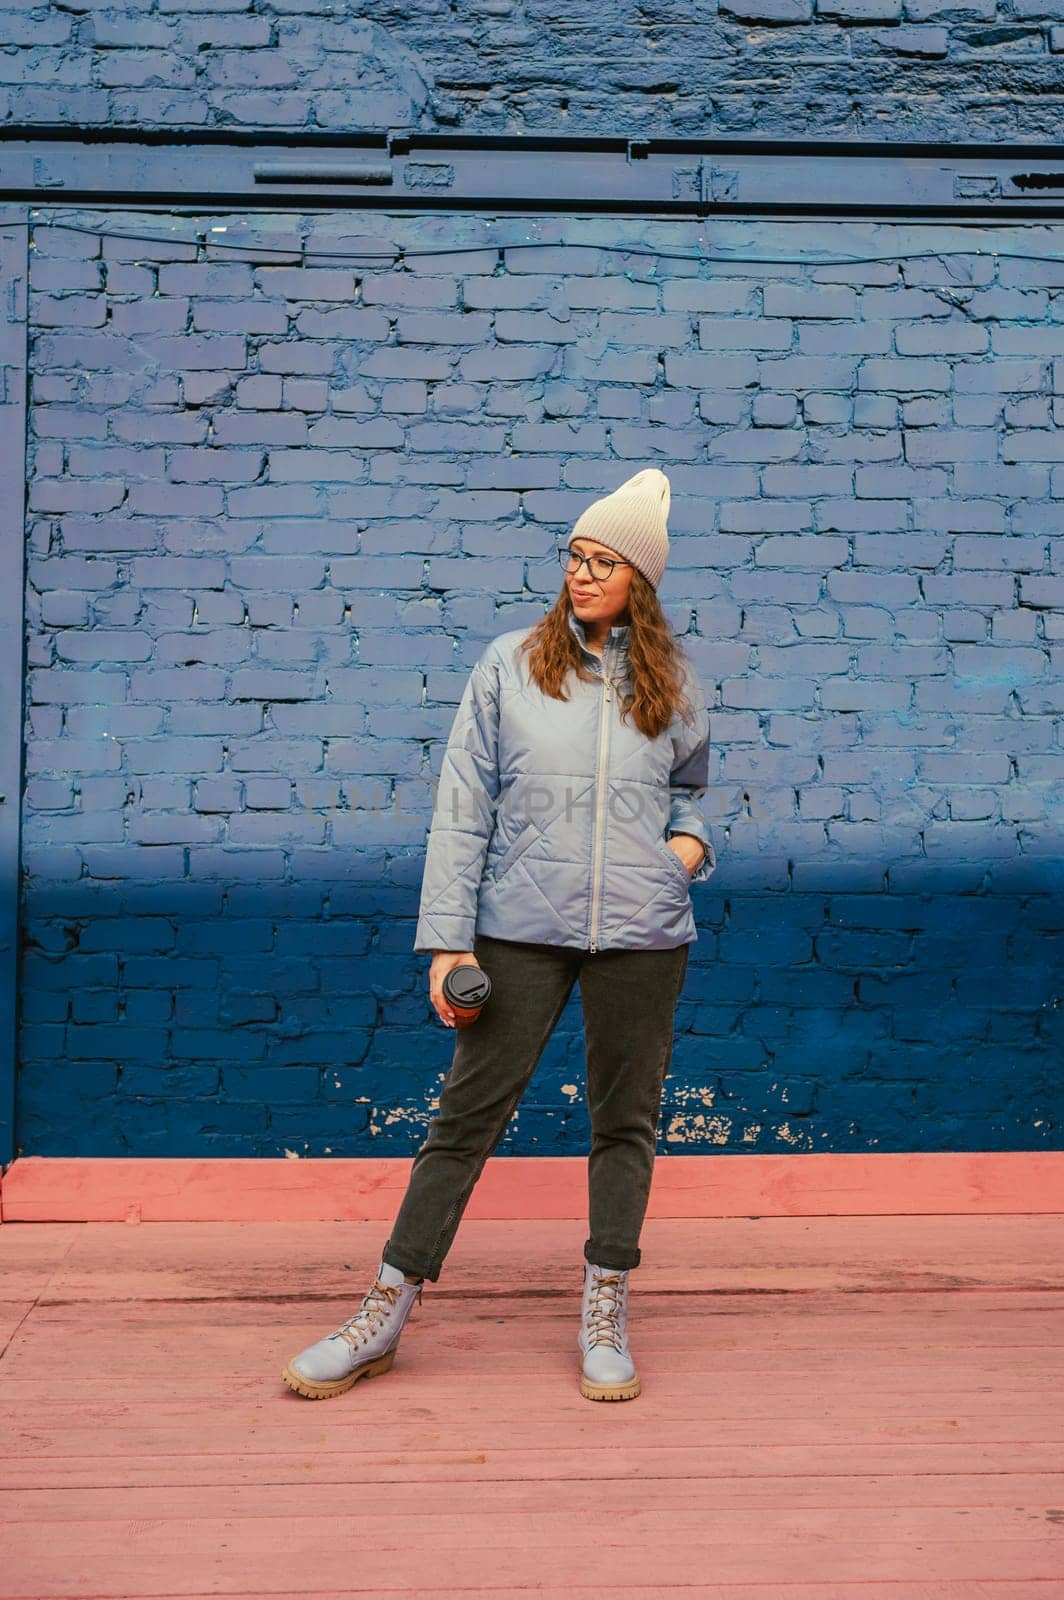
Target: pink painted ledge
{"x": 179, "y": 1189}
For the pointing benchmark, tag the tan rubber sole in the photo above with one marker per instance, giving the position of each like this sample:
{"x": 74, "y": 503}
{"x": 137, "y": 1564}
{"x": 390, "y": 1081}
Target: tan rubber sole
{"x": 609, "y": 1391}
{"x": 325, "y": 1391}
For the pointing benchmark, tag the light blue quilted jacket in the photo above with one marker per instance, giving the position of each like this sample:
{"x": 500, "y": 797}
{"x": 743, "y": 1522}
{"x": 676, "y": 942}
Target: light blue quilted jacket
{"x": 551, "y": 816}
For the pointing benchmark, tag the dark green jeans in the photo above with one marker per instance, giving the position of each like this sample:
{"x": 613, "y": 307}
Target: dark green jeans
{"x": 629, "y": 1003}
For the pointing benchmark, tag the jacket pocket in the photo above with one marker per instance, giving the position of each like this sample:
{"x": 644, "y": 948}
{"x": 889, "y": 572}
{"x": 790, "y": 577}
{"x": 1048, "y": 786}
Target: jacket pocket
{"x": 514, "y": 849}
{"x": 675, "y": 862}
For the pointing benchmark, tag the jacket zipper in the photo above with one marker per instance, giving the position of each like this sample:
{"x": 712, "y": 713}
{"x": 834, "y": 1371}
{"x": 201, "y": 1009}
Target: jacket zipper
{"x": 600, "y": 809}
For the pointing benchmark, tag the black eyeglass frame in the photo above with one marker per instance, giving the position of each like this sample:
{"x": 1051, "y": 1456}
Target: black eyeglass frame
{"x": 566, "y": 554}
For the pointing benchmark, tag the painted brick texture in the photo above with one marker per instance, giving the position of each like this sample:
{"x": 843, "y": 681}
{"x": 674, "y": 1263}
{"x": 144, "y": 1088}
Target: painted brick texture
{"x": 863, "y": 69}
{"x": 274, "y": 512}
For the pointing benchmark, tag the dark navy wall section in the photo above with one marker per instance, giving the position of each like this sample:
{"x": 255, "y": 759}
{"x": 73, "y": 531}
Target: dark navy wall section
{"x": 274, "y": 513}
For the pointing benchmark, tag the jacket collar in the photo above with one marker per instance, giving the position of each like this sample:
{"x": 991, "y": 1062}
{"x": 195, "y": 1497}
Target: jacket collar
{"x": 617, "y": 639}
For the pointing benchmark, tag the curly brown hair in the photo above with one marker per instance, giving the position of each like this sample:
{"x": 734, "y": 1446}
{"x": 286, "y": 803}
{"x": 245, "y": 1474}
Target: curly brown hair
{"x": 654, "y": 692}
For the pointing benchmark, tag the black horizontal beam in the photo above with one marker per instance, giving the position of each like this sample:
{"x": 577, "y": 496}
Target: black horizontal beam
{"x": 683, "y": 177}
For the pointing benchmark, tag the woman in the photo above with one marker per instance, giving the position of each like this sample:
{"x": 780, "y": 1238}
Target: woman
{"x": 564, "y": 840}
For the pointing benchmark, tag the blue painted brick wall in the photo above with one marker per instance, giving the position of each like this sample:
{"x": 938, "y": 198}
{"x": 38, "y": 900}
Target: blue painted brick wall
{"x": 273, "y": 515}
{"x": 864, "y": 69}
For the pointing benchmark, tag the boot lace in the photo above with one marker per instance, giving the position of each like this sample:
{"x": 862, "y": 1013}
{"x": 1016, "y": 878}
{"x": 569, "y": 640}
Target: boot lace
{"x": 369, "y": 1318}
{"x": 603, "y": 1313}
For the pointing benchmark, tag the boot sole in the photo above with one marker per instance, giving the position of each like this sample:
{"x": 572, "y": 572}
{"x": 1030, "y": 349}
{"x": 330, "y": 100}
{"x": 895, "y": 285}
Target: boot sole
{"x": 609, "y": 1391}
{"x": 325, "y": 1391}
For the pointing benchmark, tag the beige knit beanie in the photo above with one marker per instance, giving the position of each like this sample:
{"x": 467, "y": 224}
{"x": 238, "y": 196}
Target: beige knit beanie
{"x": 633, "y": 522}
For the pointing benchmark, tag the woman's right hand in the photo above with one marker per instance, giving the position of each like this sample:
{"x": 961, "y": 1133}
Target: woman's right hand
{"x": 440, "y": 966}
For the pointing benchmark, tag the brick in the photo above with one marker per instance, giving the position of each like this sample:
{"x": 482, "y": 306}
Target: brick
{"x": 241, "y": 680}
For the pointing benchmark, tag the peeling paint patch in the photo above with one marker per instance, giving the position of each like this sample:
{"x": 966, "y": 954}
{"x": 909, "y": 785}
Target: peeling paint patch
{"x": 414, "y": 1116}
{"x": 686, "y": 1092}
{"x": 788, "y": 1135}
{"x": 685, "y": 1128}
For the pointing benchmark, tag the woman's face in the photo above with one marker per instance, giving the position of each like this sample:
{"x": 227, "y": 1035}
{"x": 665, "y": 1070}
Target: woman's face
{"x": 602, "y": 600}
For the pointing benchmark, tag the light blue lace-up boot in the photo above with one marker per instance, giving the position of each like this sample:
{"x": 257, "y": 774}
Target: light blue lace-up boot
{"x": 608, "y": 1370}
{"x": 362, "y": 1346}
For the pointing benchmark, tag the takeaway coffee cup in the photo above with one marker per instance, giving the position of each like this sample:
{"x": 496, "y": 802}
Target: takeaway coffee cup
{"x": 465, "y": 989}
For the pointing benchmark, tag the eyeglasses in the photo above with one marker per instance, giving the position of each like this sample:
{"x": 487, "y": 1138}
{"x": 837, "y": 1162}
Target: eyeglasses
{"x": 600, "y": 567}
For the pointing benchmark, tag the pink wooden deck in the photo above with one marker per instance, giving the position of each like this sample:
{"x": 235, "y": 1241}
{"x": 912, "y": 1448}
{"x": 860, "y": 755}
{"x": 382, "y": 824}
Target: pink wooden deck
{"x": 838, "y": 1407}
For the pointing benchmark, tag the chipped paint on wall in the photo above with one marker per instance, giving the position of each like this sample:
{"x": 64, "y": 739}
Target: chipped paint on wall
{"x": 684, "y": 1093}
{"x": 797, "y": 1139}
{"x": 684, "y": 1128}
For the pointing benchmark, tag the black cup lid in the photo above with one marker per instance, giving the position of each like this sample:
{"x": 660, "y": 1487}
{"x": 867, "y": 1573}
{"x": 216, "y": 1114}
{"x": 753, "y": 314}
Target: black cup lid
{"x": 467, "y": 985}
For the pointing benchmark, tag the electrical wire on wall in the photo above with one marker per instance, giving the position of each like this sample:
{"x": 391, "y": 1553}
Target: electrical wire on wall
{"x": 307, "y": 255}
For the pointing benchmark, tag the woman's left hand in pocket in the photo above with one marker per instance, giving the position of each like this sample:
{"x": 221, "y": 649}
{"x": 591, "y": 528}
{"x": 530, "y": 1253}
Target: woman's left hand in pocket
{"x": 690, "y": 850}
